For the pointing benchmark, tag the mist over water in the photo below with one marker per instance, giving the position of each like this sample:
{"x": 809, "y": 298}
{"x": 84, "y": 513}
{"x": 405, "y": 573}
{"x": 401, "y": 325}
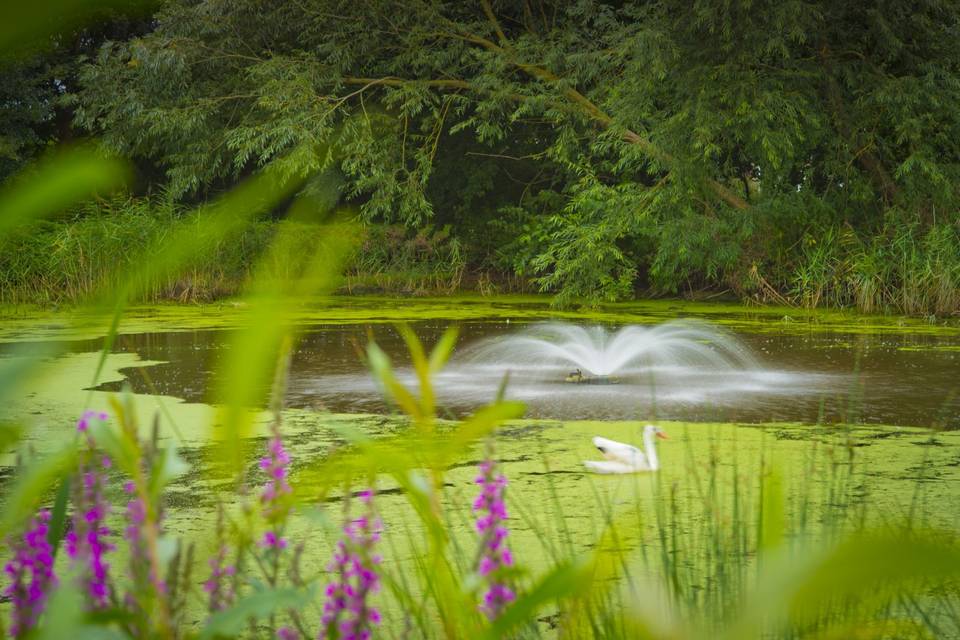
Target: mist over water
{"x": 677, "y": 368}
{"x": 632, "y": 350}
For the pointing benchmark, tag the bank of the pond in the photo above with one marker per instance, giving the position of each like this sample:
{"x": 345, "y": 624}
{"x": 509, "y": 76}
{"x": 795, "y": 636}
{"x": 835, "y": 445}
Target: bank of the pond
{"x": 25, "y": 323}
{"x": 904, "y": 267}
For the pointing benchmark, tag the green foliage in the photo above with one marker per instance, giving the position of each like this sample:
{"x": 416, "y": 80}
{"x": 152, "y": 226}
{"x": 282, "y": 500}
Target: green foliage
{"x": 680, "y": 145}
{"x": 581, "y": 257}
{"x": 61, "y": 180}
{"x": 72, "y": 259}
{"x": 905, "y": 268}
{"x": 69, "y": 259}
{"x": 849, "y": 578}
{"x": 390, "y": 258}
{"x": 261, "y": 603}
{"x": 40, "y": 57}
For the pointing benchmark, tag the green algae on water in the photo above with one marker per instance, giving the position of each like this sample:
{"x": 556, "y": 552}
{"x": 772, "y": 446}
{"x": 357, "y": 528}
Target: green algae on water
{"x": 19, "y": 324}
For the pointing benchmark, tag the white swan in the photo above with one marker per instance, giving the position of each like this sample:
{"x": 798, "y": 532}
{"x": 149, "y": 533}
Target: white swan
{"x": 625, "y": 458}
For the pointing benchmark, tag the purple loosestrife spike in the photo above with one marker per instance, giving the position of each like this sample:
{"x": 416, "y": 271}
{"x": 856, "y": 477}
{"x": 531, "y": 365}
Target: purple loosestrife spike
{"x": 83, "y": 424}
{"x": 494, "y": 555}
{"x": 86, "y": 542}
{"x": 31, "y": 575}
{"x": 275, "y": 498}
{"x": 346, "y": 612}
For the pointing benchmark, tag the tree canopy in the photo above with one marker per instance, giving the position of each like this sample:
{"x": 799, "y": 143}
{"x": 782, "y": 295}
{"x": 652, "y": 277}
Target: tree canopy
{"x": 593, "y": 144}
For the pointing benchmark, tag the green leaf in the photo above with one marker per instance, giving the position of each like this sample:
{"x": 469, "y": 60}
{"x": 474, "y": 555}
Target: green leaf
{"x": 117, "y": 443}
{"x": 58, "y": 518}
{"x": 64, "y": 613}
{"x": 562, "y": 581}
{"x": 443, "y": 349}
{"x": 220, "y": 221}
{"x": 34, "y": 482}
{"x": 270, "y": 323}
{"x": 65, "y": 178}
{"x": 422, "y": 368}
{"x": 382, "y": 371}
{"x": 257, "y": 605}
{"x": 796, "y": 587}
{"x": 477, "y": 426}
{"x": 167, "y": 466}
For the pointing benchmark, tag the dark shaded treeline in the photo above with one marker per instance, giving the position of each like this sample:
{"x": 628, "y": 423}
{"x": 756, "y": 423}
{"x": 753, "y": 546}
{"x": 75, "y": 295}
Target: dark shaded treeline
{"x": 793, "y": 151}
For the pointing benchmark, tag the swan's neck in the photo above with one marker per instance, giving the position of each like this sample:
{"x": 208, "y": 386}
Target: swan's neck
{"x": 650, "y": 447}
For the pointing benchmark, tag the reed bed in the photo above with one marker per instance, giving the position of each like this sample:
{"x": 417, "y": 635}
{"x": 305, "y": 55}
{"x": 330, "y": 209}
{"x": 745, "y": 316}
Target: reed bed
{"x": 904, "y": 268}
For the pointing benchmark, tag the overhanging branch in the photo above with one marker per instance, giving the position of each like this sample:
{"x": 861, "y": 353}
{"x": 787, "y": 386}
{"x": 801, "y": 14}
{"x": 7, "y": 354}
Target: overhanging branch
{"x": 400, "y": 82}
{"x": 586, "y": 106}
{"x": 595, "y": 113}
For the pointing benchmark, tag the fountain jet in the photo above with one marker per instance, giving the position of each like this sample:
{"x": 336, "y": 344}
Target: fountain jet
{"x": 596, "y": 355}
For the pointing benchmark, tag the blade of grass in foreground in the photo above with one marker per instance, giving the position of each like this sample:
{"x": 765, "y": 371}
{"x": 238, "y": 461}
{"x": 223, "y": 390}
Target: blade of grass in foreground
{"x": 259, "y": 604}
{"x": 243, "y": 383}
{"x": 565, "y": 579}
{"x": 865, "y": 567}
{"x": 64, "y": 178}
{"x": 196, "y": 234}
{"x": 34, "y": 482}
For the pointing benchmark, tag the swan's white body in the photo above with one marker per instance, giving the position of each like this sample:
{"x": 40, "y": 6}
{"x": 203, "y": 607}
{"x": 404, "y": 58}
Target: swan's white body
{"x": 626, "y": 458}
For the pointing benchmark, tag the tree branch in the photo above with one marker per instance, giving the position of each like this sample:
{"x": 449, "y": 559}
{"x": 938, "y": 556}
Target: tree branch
{"x": 594, "y": 112}
{"x": 399, "y": 82}
{"x": 487, "y": 9}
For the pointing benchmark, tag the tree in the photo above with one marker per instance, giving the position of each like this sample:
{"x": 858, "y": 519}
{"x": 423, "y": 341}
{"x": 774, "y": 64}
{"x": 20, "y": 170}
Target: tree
{"x": 652, "y": 138}
{"x": 35, "y": 81}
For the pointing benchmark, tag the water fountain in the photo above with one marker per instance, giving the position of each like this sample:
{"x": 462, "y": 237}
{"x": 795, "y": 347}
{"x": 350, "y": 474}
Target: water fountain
{"x": 596, "y": 355}
{"x": 682, "y": 369}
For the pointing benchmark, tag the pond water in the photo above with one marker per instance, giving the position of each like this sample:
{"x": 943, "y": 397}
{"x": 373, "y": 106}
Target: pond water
{"x": 901, "y": 379}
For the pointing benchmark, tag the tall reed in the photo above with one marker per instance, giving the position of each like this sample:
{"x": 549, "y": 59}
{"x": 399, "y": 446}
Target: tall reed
{"x": 904, "y": 268}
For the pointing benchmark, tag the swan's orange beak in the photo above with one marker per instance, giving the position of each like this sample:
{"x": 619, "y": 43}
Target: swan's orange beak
{"x": 662, "y": 435}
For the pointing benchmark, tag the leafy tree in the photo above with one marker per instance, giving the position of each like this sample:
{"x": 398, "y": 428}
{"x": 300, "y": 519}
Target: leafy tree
{"x": 668, "y": 143}
{"x": 35, "y": 80}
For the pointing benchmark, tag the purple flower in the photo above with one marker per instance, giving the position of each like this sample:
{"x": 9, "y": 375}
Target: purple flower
{"x": 83, "y": 424}
{"x": 491, "y": 511}
{"x": 346, "y": 612}
{"x": 286, "y": 633}
{"x": 31, "y": 575}
{"x": 272, "y": 540}
{"x": 86, "y": 542}
{"x": 275, "y": 498}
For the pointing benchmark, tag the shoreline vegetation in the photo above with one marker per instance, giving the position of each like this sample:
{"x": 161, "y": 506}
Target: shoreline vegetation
{"x": 902, "y": 271}
{"x": 797, "y": 154}
{"x": 33, "y": 322}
